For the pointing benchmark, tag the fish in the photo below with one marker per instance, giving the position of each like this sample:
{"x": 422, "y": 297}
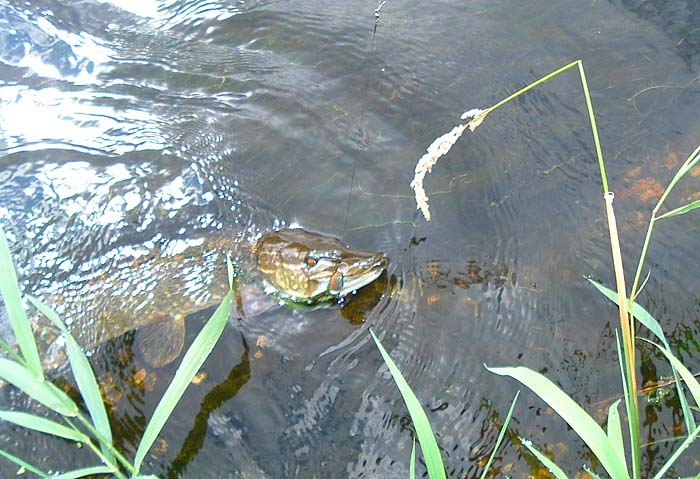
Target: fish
{"x": 154, "y": 292}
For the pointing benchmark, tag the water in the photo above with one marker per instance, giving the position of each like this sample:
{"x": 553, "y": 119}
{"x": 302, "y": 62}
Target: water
{"x": 124, "y": 123}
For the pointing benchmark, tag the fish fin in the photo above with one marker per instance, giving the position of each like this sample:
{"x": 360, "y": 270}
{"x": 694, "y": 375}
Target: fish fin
{"x": 250, "y": 300}
{"x": 160, "y": 342}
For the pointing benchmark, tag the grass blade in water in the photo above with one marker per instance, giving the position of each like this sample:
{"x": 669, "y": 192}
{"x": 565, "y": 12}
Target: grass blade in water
{"x": 690, "y": 381}
{"x": 641, "y": 314}
{"x": 193, "y": 360}
{"x": 426, "y": 438}
{"x": 84, "y": 377}
{"x": 684, "y": 445}
{"x": 615, "y": 431}
{"x": 546, "y": 462}
{"x": 579, "y": 420}
{"x": 501, "y": 435}
{"x": 590, "y": 472}
{"x": 88, "y": 471}
{"x": 625, "y": 388}
{"x": 39, "y": 390}
{"x": 24, "y": 464}
{"x": 412, "y": 466}
{"x": 15, "y": 312}
{"x": 682, "y": 210}
{"x": 644, "y": 317}
{"x": 38, "y": 423}
{"x": 11, "y": 352}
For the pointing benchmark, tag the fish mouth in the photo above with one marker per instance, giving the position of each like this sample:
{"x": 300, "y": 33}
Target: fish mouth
{"x": 362, "y": 273}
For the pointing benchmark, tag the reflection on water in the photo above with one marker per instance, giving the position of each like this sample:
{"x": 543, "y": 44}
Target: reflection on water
{"x": 128, "y": 126}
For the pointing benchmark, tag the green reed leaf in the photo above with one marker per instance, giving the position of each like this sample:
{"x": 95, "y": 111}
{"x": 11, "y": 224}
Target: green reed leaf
{"x": 15, "y": 312}
{"x": 631, "y": 425}
{"x": 677, "y": 453}
{"x": 84, "y": 377}
{"x": 426, "y": 438}
{"x": 644, "y": 317}
{"x": 41, "y": 391}
{"x": 574, "y": 415}
{"x": 501, "y": 435}
{"x": 615, "y": 431}
{"x": 191, "y": 362}
{"x": 546, "y": 462}
{"x": 11, "y": 352}
{"x": 590, "y": 472}
{"x": 88, "y": 471}
{"x": 412, "y": 465}
{"x": 41, "y": 424}
{"x": 641, "y": 314}
{"x": 23, "y": 464}
{"x": 681, "y": 210}
{"x": 230, "y": 271}
{"x": 690, "y": 381}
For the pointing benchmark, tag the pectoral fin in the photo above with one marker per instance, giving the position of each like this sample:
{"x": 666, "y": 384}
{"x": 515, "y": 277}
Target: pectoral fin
{"x": 160, "y": 342}
{"x": 249, "y": 301}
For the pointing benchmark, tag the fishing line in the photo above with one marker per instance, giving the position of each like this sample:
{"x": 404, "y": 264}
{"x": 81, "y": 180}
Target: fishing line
{"x": 363, "y": 108}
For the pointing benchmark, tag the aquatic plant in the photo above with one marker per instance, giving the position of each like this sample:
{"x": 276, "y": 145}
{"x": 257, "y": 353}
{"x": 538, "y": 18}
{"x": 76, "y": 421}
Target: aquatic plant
{"x": 607, "y": 445}
{"x": 421, "y": 424}
{"x": 24, "y": 371}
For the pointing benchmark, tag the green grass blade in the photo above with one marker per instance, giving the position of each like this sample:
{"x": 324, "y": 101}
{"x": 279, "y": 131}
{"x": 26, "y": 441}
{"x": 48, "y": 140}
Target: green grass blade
{"x": 88, "y": 471}
{"x": 641, "y": 314}
{"x": 84, "y": 377}
{"x": 15, "y": 312}
{"x": 644, "y": 317}
{"x": 690, "y": 381}
{"x": 231, "y": 271}
{"x": 39, "y": 390}
{"x": 23, "y": 464}
{"x": 579, "y": 420}
{"x": 38, "y": 423}
{"x": 594, "y": 128}
{"x": 193, "y": 360}
{"x": 590, "y": 472}
{"x": 546, "y": 462}
{"x": 615, "y": 431}
{"x": 677, "y": 453}
{"x": 426, "y": 438}
{"x": 412, "y": 466}
{"x": 685, "y": 168}
{"x": 681, "y": 210}
{"x": 501, "y": 435}
{"x": 625, "y": 388}
{"x": 11, "y": 352}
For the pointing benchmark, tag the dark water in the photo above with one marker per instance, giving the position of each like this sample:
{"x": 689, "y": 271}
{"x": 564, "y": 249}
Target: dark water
{"x": 124, "y": 124}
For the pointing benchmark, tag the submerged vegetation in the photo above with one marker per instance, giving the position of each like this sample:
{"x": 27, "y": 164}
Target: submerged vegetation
{"x": 68, "y": 418}
{"x": 607, "y": 445}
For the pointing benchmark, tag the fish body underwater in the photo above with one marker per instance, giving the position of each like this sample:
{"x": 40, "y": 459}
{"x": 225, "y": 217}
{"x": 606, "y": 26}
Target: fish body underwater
{"x": 157, "y": 289}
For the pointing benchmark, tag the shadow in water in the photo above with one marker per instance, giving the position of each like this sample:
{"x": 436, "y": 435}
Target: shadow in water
{"x": 228, "y": 388}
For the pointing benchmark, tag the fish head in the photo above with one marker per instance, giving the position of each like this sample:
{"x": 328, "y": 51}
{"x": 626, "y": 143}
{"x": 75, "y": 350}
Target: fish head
{"x": 309, "y": 267}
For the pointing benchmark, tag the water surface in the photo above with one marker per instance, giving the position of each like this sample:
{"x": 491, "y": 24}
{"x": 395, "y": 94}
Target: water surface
{"x": 124, "y": 124}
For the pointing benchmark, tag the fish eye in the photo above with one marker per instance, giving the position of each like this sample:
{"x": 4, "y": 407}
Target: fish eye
{"x": 310, "y": 260}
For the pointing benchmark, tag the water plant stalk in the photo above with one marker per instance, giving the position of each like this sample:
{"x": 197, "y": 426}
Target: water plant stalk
{"x": 626, "y": 322}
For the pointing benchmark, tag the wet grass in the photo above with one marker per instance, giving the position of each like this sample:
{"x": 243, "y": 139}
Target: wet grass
{"x": 608, "y": 444}
{"x": 69, "y": 419}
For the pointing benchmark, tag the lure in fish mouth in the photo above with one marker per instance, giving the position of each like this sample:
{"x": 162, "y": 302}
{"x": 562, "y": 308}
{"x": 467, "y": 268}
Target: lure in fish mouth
{"x": 309, "y": 267}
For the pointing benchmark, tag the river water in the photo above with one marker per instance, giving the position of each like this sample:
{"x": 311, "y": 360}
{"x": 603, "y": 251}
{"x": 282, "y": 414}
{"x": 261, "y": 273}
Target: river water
{"x": 126, "y": 123}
